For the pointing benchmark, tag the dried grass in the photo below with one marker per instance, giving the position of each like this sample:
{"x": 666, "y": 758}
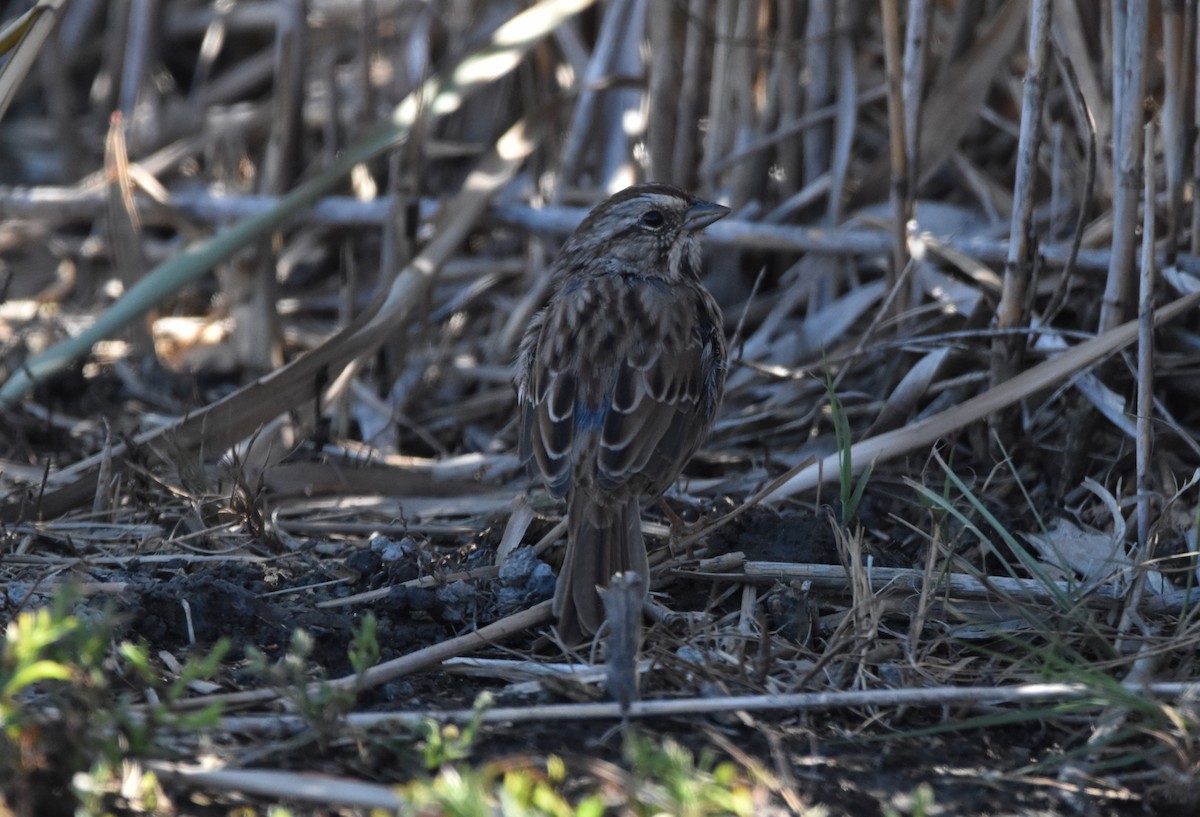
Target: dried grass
{"x": 982, "y": 352}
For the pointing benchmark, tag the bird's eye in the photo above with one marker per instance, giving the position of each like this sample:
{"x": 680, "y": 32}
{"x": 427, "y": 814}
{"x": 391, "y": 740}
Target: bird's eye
{"x": 652, "y": 219}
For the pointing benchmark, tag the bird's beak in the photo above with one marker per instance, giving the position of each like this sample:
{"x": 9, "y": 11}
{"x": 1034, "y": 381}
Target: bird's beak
{"x": 703, "y": 213}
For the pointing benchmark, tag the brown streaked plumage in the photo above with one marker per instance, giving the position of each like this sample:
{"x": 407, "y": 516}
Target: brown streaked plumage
{"x": 619, "y": 378}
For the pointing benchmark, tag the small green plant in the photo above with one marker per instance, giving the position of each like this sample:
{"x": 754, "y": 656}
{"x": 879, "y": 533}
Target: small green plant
{"x": 140, "y": 731}
{"x": 920, "y": 803}
{"x": 446, "y": 743}
{"x": 67, "y": 714}
{"x": 664, "y": 778}
{"x": 36, "y": 649}
{"x": 674, "y": 781}
{"x": 485, "y": 792}
{"x": 851, "y": 491}
{"x": 364, "y": 645}
{"x": 51, "y": 678}
{"x": 140, "y": 790}
{"x": 319, "y": 702}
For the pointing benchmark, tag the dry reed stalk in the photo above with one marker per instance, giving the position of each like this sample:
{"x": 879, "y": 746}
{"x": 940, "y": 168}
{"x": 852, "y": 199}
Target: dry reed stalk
{"x": 1084, "y": 121}
{"x": 415, "y": 662}
{"x": 952, "y": 585}
{"x": 845, "y": 124}
{"x": 1145, "y": 351}
{"x": 967, "y": 16}
{"x": 1071, "y": 44}
{"x": 301, "y": 787}
{"x": 925, "y": 432}
{"x": 686, "y": 149}
{"x": 916, "y": 42}
{"x": 1131, "y": 22}
{"x": 139, "y": 53}
{"x": 785, "y": 96}
{"x": 251, "y": 286}
{"x": 744, "y": 97}
{"x": 665, "y": 78}
{"x": 981, "y": 697}
{"x": 1179, "y": 86}
{"x": 1195, "y": 122}
{"x": 819, "y": 90}
{"x": 124, "y": 227}
{"x": 613, "y": 26}
{"x": 69, "y": 205}
{"x": 720, "y": 138}
{"x": 1007, "y": 356}
{"x": 900, "y": 194}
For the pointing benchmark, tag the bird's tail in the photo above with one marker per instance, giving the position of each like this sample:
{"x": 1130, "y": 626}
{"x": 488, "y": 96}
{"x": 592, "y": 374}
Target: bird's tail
{"x": 601, "y": 540}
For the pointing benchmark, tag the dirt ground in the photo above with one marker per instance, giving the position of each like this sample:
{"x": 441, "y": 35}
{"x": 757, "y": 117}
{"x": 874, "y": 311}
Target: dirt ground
{"x": 848, "y": 762}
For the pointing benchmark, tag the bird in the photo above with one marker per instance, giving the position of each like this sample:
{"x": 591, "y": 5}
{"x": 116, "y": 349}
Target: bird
{"x": 618, "y": 380}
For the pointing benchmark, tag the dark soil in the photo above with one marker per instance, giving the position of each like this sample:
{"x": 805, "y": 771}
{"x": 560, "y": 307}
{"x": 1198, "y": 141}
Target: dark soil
{"x": 837, "y": 760}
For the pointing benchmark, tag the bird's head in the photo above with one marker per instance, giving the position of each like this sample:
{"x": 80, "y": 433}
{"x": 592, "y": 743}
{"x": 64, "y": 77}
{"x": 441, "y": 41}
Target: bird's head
{"x": 650, "y": 227}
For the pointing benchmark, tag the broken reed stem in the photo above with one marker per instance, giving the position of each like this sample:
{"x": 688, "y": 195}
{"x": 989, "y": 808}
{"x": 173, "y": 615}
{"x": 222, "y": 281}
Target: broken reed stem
{"x": 896, "y": 579}
{"x": 623, "y": 619}
{"x": 418, "y": 661}
{"x": 940, "y": 696}
{"x": 1145, "y": 357}
{"x": 928, "y": 430}
{"x": 70, "y": 205}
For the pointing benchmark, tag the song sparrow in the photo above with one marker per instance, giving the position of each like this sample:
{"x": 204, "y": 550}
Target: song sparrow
{"x": 618, "y": 379}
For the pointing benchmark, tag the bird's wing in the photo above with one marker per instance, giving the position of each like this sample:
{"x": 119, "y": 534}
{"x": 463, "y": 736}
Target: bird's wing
{"x": 547, "y": 399}
{"x": 619, "y": 384}
{"x": 663, "y": 394}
